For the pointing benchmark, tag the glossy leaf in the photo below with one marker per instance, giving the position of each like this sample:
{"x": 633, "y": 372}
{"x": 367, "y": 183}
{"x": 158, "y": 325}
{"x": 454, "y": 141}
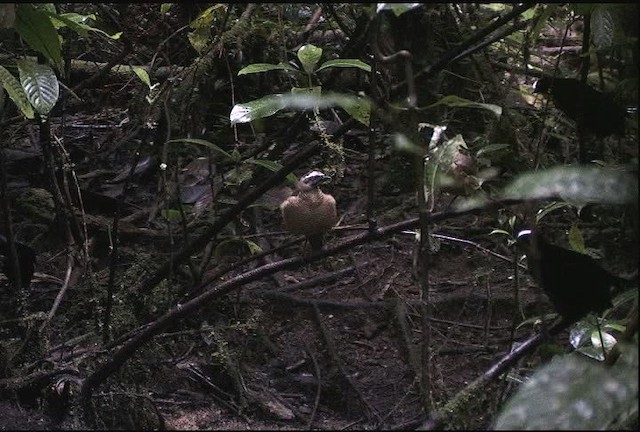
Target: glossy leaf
{"x": 345, "y": 63}
{"x": 256, "y": 109}
{"x": 40, "y": 85}
{"x": 358, "y": 107}
{"x": 265, "y": 67}
{"x": 36, "y": 29}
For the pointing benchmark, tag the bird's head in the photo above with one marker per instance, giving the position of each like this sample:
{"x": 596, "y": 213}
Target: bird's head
{"x": 543, "y": 85}
{"x": 312, "y": 180}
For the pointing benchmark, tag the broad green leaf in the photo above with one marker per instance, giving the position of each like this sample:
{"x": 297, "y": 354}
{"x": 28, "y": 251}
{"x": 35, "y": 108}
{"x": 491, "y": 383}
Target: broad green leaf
{"x": 269, "y": 105}
{"x": 78, "y": 23}
{"x": 576, "y": 184}
{"x": 165, "y": 7}
{"x": 207, "y": 16}
{"x": 143, "y": 75}
{"x": 200, "y": 38}
{"x": 576, "y": 241}
{"x": 265, "y": 67}
{"x": 256, "y": 109}
{"x": 36, "y": 29}
{"x": 40, "y": 85}
{"x": 16, "y": 92}
{"x": 64, "y": 20}
{"x": 345, "y": 63}
{"x": 273, "y": 166}
{"x": 457, "y": 101}
{"x": 205, "y": 143}
{"x": 358, "y": 107}
{"x": 309, "y": 56}
{"x": 397, "y": 8}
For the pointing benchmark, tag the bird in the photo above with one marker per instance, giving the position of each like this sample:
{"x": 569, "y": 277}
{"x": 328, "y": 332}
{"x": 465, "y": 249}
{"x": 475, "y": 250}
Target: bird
{"x": 310, "y": 211}
{"x": 601, "y": 114}
{"x": 574, "y": 282}
{"x": 26, "y": 261}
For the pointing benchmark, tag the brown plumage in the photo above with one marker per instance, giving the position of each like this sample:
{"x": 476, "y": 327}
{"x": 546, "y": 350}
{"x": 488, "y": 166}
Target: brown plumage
{"x": 311, "y": 212}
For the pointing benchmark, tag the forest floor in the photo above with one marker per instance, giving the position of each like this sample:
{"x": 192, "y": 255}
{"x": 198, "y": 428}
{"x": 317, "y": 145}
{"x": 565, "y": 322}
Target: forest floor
{"x": 331, "y": 345}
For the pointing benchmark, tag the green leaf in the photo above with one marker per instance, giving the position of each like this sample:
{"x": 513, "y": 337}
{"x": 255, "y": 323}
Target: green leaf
{"x": 265, "y": 67}
{"x": 345, "y": 63}
{"x": 358, "y": 107}
{"x": 572, "y": 393}
{"x": 171, "y": 215}
{"x": 309, "y": 56}
{"x": 16, "y": 93}
{"x": 77, "y": 23}
{"x": 40, "y": 85}
{"x": 457, "y": 101}
{"x": 269, "y": 105}
{"x": 256, "y": 109}
{"x": 576, "y": 241}
{"x": 165, "y": 7}
{"x": 205, "y": 143}
{"x": 273, "y": 166}
{"x": 36, "y": 29}
{"x": 143, "y": 75}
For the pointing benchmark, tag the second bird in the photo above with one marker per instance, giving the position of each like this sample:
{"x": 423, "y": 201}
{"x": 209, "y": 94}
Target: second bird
{"x": 310, "y": 212}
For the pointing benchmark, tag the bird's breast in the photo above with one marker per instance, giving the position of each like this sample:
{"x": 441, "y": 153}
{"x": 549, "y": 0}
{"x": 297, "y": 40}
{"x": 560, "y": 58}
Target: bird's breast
{"x": 309, "y": 214}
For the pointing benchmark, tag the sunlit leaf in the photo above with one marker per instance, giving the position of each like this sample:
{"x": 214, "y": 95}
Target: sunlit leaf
{"x": 143, "y": 75}
{"x": 256, "y": 109}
